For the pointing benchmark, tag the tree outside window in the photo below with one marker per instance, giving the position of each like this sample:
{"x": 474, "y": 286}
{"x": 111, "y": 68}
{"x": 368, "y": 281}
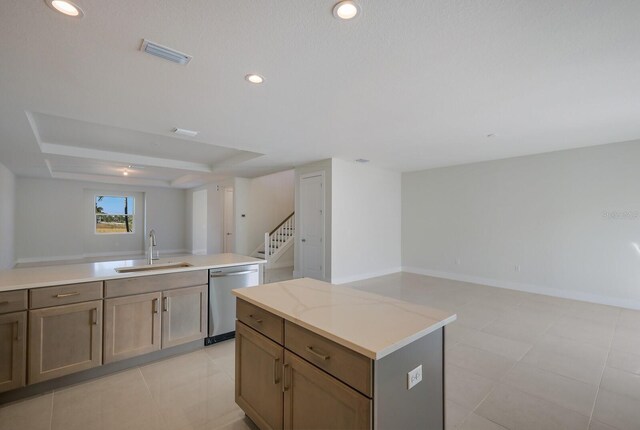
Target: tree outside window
{"x": 114, "y": 214}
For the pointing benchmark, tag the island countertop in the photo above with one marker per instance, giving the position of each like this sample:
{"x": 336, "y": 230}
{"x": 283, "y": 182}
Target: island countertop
{"x": 370, "y": 324}
{"x": 45, "y": 276}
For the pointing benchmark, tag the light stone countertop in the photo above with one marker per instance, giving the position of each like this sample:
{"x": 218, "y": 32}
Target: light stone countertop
{"x": 34, "y": 277}
{"x": 373, "y": 325}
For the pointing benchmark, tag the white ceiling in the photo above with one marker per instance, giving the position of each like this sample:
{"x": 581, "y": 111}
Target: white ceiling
{"x": 409, "y": 84}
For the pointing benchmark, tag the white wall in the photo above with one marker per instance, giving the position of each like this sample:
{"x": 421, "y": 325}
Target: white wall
{"x": 365, "y": 237}
{"x": 54, "y": 220}
{"x": 320, "y": 166}
{"x": 270, "y": 202}
{"x": 198, "y": 224}
{"x": 7, "y": 218}
{"x": 533, "y": 223}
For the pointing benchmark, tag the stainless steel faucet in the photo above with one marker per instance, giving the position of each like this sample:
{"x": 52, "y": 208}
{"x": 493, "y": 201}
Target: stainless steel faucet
{"x": 152, "y": 243}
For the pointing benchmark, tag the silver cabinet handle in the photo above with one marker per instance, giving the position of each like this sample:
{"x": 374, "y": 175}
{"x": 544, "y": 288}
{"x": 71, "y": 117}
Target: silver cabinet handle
{"x": 60, "y": 296}
{"x": 256, "y": 319}
{"x": 317, "y": 354}
{"x": 285, "y": 387}
{"x": 155, "y": 306}
{"x": 165, "y": 304}
{"x": 94, "y": 313}
{"x": 243, "y": 272}
{"x": 17, "y": 336}
{"x": 275, "y": 370}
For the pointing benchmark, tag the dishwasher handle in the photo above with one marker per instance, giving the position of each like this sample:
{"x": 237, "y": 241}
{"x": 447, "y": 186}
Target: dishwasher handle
{"x": 242, "y": 272}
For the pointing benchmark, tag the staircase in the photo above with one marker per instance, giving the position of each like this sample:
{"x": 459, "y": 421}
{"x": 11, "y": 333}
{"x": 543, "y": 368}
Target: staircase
{"x": 277, "y": 242}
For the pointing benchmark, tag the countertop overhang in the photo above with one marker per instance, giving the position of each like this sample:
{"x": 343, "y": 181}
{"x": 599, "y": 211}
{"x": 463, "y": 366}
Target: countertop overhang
{"x": 46, "y": 276}
{"x": 370, "y": 324}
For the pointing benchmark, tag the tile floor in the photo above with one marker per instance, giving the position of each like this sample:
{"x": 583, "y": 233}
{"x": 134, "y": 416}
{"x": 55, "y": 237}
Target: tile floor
{"x": 514, "y": 361}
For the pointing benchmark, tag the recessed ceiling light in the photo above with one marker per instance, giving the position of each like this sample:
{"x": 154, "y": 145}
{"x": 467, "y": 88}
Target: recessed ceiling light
{"x": 346, "y": 10}
{"x": 254, "y": 79}
{"x": 362, "y": 160}
{"x": 65, "y": 7}
{"x": 126, "y": 172}
{"x": 491, "y": 135}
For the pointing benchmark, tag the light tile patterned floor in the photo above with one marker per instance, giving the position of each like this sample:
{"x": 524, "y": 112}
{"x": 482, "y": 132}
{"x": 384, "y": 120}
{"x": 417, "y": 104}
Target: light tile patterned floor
{"x": 514, "y": 361}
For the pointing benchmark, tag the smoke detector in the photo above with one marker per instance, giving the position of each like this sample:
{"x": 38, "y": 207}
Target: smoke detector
{"x": 164, "y": 52}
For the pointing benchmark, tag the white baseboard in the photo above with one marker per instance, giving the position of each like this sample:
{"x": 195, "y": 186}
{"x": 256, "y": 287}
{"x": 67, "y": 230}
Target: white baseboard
{"x": 529, "y": 288}
{"x": 354, "y": 278}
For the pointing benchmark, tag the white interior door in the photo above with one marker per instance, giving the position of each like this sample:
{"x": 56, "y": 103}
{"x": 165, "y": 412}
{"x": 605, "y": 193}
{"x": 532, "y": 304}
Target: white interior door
{"x": 199, "y": 222}
{"x": 228, "y": 221}
{"x": 312, "y": 225}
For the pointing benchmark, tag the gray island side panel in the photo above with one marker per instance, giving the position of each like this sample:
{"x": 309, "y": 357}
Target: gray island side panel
{"x": 421, "y": 407}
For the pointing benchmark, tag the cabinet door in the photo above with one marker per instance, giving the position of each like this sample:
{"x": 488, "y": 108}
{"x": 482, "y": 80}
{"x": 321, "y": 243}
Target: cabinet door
{"x": 258, "y": 377}
{"x": 184, "y": 315}
{"x": 64, "y": 340}
{"x": 132, "y": 326}
{"x": 13, "y": 350}
{"x": 316, "y": 400}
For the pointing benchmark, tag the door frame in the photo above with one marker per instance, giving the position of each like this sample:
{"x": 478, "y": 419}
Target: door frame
{"x": 228, "y": 217}
{"x": 320, "y": 173}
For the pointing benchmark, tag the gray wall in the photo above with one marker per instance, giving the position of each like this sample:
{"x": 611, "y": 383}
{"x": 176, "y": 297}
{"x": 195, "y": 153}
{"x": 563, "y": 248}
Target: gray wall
{"x": 7, "y": 218}
{"x": 54, "y": 220}
{"x": 564, "y": 223}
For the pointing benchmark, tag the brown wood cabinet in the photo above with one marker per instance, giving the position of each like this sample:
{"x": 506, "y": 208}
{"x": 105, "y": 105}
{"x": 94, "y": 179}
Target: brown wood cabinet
{"x": 64, "y": 340}
{"x": 258, "y": 377}
{"x": 184, "y": 315}
{"x": 279, "y": 389}
{"x": 132, "y": 326}
{"x": 315, "y": 400}
{"x": 13, "y": 350}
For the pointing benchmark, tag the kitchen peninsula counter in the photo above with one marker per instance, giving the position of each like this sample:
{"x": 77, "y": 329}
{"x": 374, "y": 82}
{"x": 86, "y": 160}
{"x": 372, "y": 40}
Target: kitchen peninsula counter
{"x": 47, "y": 276}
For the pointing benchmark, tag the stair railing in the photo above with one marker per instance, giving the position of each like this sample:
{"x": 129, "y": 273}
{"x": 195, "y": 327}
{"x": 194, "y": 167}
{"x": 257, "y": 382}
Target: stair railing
{"x": 278, "y": 236}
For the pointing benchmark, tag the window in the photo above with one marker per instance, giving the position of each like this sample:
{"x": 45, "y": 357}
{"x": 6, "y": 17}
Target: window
{"x": 114, "y": 214}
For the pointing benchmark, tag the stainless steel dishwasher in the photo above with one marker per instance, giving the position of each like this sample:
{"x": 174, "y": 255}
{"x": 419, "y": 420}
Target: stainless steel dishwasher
{"x": 222, "y": 304}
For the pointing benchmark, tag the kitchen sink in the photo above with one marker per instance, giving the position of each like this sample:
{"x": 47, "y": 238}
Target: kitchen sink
{"x": 128, "y": 269}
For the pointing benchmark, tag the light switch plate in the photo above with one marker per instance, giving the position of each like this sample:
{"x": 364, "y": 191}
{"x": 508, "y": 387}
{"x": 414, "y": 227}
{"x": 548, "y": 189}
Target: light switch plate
{"x": 414, "y": 377}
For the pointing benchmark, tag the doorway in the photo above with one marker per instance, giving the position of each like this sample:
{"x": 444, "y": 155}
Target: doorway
{"x": 312, "y": 225}
{"x": 228, "y": 221}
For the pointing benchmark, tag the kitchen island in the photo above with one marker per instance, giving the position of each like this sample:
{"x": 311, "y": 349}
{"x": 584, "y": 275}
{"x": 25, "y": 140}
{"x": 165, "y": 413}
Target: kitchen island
{"x": 314, "y": 355}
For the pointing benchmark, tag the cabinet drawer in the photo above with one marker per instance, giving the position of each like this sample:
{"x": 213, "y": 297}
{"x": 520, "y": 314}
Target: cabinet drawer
{"x": 260, "y": 320}
{"x": 154, "y": 283}
{"x": 65, "y": 294}
{"x": 350, "y": 367}
{"x": 11, "y": 301}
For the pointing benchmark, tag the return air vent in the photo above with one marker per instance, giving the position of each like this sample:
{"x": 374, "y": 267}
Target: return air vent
{"x": 164, "y": 52}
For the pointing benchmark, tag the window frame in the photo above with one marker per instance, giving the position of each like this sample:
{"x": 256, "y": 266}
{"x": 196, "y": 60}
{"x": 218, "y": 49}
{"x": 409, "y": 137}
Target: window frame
{"x": 95, "y": 215}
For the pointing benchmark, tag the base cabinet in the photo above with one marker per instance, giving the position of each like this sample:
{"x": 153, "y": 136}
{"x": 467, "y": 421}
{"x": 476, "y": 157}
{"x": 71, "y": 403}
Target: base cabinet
{"x": 184, "y": 315}
{"x": 314, "y": 400}
{"x": 132, "y": 326}
{"x": 13, "y": 350}
{"x": 258, "y": 377}
{"x": 64, "y": 340}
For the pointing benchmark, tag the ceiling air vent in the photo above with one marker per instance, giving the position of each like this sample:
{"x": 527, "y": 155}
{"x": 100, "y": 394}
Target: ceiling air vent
{"x": 164, "y": 52}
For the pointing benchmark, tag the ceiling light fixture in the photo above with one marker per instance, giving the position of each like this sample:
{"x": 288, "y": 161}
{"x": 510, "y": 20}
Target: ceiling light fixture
{"x": 254, "y": 79}
{"x": 362, "y": 160}
{"x": 491, "y": 135}
{"x": 346, "y": 10}
{"x": 65, "y": 7}
{"x": 126, "y": 172}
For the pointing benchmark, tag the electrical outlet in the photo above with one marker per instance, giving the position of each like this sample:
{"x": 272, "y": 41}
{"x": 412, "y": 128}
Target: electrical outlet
{"x": 414, "y": 377}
